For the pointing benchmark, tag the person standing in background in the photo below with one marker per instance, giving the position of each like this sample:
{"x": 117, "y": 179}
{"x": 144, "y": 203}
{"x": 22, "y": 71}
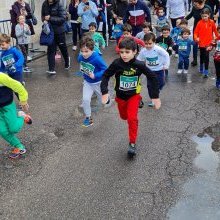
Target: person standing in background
{"x": 75, "y": 23}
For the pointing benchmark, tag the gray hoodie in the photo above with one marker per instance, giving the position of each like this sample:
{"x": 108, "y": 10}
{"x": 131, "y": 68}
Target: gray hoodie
{"x": 22, "y": 33}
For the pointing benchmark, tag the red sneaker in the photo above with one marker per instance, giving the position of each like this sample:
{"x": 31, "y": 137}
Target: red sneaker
{"x": 27, "y": 118}
{"x": 16, "y": 152}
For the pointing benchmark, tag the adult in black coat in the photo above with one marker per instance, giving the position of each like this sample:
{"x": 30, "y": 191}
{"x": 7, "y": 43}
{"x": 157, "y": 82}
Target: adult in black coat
{"x": 54, "y": 13}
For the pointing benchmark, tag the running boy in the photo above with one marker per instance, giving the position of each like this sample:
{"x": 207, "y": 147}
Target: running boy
{"x": 12, "y": 59}
{"x": 184, "y": 49}
{"x": 97, "y": 37}
{"x": 156, "y": 59}
{"x": 92, "y": 66}
{"x": 127, "y": 71}
{"x": 118, "y": 29}
{"x": 10, "y": 123}
{"x": 203, "y": 34}
{"x": 146, "y": 29}
{"x": 22, "y": 32}
{"x": 127, "y": 32}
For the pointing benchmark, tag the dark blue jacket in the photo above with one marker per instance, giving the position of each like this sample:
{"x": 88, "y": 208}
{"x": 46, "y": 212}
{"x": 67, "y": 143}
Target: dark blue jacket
{"x": 73, "y": 12}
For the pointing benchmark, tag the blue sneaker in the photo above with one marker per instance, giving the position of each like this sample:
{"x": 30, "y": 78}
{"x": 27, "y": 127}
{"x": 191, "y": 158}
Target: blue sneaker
{"x": 218, "y": 84}
{"x": 87, "y": 122}
{"x": 150, "y": 104}
{"x": 205, "y": 74}
{"x": 201, "y": 69}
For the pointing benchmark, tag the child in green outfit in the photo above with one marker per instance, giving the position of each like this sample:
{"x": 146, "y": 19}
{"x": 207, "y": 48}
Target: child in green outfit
{"x": 97, "y": 37}
{"x": 11, "y": 122}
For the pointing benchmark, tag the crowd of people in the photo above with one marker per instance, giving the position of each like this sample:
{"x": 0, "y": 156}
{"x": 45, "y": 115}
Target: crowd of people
{"x": 144, "y": 45}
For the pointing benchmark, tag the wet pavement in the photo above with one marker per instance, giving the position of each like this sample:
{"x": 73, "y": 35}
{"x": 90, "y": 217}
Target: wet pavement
{"x": 74, "y": 173}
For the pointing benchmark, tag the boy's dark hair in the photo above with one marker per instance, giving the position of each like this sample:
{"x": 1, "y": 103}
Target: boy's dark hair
{"x": 87, "y": 42}
{"x": 198, "y": 1}
{"x": 119, "y": 18}
{"x": 150, "y": 36}
{"x": 128, "y": 43}
{"x": 4, "y": 38}
{"x": 205, "y": 11}
{"x": 165, "y": 28}
{"x": 147, "y": 25}
{"x": 159, "y": 9}
{"x": 185, "y": 30}
{"x": 218, "y": 27}
{"x": 183, "y": 21}
{"x": 93, "y": 24}
{"x": 127, "y": 27}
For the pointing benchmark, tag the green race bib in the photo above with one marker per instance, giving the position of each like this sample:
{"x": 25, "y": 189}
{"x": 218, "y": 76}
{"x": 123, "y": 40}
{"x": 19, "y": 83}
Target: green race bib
{"x": 183, "y": 46}
{"x": 8, "y": 60}
{"x": 128, "y": 83}
{"x": 86, "y": 68}
{"x": 153, "y": 61}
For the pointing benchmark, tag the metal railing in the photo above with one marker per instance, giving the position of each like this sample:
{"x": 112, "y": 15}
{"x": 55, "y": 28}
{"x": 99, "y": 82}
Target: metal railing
{"x": 5, "y": 28}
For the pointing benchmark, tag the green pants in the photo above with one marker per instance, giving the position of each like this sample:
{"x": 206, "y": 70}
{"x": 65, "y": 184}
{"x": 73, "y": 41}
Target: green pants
{"x": 10, "y": 124}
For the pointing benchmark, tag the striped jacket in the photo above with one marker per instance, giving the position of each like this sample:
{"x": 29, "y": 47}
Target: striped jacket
{"x": 136, "y": 14}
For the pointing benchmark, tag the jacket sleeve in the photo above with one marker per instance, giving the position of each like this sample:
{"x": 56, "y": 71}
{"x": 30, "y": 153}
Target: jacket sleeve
{"x": 190, "y": 15}
{"x": 109, "y": 72}
{"x": 147, "y": 12}
{"x": 101, "y": 66}
{"x": 61, "y": 18}
{"x": 18, "y": 31}
{"x": 166, "y": 57}
{"x": 94, "y": 9}
{"x": 28, "y": 9}
{"x": 196, "y": 31}
{"x": 168, "y": 8}
{"x": 20, "y": 59}
{"x": 215, "y": 30}
{"x": 139, "y": 42}
{"x": 127, "y": 14}
{"x": 15, "y": 86}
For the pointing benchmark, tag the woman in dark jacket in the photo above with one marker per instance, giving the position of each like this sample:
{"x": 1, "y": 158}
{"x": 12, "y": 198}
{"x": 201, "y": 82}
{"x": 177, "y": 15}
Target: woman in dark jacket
{"x": 18, "y": 8}
{"x": 53, "y": 12}
{"x": 75, "y": 24}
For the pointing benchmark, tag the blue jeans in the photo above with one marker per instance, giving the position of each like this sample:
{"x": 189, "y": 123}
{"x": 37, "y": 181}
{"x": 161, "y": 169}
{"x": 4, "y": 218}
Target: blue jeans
{"x": 183, "y": 62}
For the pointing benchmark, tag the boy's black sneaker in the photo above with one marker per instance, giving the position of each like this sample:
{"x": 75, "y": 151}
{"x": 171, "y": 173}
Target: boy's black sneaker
{"x": 194, "y": 63}
{"x": 141, "y": 104}
{"x": 131, "y": 150}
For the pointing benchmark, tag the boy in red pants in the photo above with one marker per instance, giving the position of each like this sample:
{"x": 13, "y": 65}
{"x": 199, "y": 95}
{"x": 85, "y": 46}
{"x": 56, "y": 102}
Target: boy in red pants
{"x": 127, "y": 71}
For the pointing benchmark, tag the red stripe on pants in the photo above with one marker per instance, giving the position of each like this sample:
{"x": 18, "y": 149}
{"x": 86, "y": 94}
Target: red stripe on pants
{"x": 128, "y": 110}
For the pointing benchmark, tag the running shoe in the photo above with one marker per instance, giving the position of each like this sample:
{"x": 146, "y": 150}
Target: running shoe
{"x": 131, "y": 150}
{"x": 16, "y": 152}
{"x": 27, "y": 118}
{"x": 87, "y": 122}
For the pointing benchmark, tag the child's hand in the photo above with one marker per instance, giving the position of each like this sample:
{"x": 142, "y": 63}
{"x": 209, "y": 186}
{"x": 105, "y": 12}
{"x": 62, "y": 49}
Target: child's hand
{"x": 103, "y": 47}
{"x": 92, "y": 76}
{"x": 25, "y": 107}
{"x": 157, "y": 103}
{"x": 197, "y": 39}
{"x": 105, "y": 99}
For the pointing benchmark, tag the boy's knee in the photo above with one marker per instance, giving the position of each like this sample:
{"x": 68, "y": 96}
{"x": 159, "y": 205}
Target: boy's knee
{"x": 14, "y": 129}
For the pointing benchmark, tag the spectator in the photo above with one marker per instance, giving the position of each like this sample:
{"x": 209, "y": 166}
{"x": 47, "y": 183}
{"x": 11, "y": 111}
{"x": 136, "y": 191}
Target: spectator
{"x": 198, "y": 6}
{"x": 53, "y": 12}
{"x": 88, "y": 11}
{"x": 75, "y": 23}
{"x": 20, "y": 7}
{"x": 136, "y": 14}
{"x": 176, "y": 9}
{"x": 214, "y": 5}
{"x": 119, "y": 8}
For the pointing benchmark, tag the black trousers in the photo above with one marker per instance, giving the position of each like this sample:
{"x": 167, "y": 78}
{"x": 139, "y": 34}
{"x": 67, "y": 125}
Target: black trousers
{"x": 217, "y": 68}
{"x": 204, "y": 57}
{"x": 60, "y": 41}
{"x": 24, "y": 50}
{"x": 76, "y": 30}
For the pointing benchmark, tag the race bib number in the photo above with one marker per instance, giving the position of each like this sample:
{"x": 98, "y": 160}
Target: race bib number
{"x": 128, "y": 83}
{"x": 8, "y": 60}
{"x": 182, "y": 46}
{"x": 163, "y": 45}
{"x": 86, "y": 68}
{"x": 153, "y": 61}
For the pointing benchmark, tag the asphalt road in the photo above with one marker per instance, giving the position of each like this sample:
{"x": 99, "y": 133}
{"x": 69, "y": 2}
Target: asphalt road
{"x": 71, "y": 172}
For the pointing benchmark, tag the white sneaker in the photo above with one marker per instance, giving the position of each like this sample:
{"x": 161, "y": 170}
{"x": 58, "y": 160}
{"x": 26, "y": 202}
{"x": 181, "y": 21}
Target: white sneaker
{"x": 189, "y": 80}
{"x": 179, "y": 71}
{"x": 185, "y": 71}
{"x": 29, "y": 58}
{"x": 67, "y": 66}
{"x": 51, "y": 72}
{"x": 74, "y": 48}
